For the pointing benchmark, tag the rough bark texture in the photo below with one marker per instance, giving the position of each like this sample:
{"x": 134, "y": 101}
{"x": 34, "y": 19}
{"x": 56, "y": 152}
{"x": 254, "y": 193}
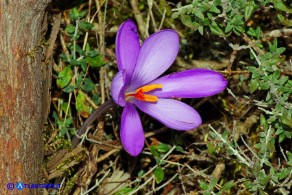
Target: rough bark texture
{"x": 23, "y": 93}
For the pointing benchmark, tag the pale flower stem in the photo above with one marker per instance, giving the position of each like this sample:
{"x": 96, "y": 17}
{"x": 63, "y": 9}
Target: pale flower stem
{"x": 181, "y": 181}
{"x": 97, "y": 184}
{"x": 142, "y": 185}
{"x": 150, "y": 171}
{"x": 266, "y": 144}
{"x": 165, "y": 184}
{"x": 235, "y": 152}
{"x": 249, "y": 148}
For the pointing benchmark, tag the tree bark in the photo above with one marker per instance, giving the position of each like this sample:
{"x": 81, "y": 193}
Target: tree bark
{"x": 24, "y": 93}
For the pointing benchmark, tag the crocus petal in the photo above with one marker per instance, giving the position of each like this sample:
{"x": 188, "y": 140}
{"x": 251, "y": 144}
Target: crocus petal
{"x": 132, "y": 135}
{"x": 157, "y": 53}
{"x": 195, "y": 83}
{"x": 117, "y": 88}
{"x": 172, "y": 113}
{"x": 127, "y": 47}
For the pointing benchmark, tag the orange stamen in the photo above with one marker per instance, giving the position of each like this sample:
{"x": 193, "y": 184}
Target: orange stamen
{"x": 139, "y": 94}
{"x": 151, "y": 87}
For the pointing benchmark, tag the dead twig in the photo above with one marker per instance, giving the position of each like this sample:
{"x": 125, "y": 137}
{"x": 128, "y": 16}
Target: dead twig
{"x": 138, "y": 17}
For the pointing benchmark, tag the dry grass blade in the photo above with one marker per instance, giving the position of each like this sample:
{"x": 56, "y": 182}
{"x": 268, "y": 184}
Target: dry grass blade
{"x": 116, "y": 182}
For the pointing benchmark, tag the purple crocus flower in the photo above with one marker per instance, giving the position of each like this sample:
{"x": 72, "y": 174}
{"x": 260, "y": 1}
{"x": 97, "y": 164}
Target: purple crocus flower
{"x": 137, "y": 84}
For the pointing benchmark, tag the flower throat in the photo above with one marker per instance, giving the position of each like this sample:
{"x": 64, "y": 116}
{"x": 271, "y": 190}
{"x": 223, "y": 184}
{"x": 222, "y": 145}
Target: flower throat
{"x": 139, "y": 94}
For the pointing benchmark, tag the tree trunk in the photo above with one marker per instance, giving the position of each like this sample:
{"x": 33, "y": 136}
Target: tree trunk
{"x": 24, "y": 93}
